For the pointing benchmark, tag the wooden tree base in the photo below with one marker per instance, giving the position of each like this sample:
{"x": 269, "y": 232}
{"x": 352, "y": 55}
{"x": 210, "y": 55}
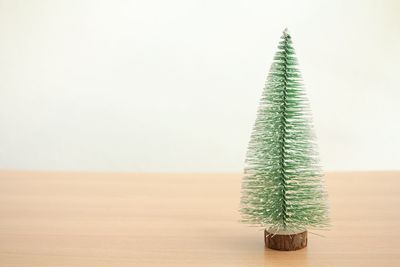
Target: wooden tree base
{"x": 287, "y": 242}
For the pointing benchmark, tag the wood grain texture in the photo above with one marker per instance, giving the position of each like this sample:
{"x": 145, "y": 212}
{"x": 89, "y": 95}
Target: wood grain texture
{"x": 99, "y": 219}
{"x": 286, "y": 242}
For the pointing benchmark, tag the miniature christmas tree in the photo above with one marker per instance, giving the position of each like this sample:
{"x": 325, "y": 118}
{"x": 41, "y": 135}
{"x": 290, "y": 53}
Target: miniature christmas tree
{"x": 282, "y": 188}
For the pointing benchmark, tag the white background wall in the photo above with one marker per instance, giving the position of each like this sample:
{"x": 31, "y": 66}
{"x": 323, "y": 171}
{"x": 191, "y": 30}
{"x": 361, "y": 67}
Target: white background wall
{"x": 174, "y": 85}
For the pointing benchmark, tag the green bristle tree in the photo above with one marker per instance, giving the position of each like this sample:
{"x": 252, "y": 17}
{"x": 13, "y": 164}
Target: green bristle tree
{"x": 282, "y": 188}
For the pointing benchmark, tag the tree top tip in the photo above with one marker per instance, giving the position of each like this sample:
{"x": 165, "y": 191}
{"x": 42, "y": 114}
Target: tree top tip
{"x": 286, "y": 32}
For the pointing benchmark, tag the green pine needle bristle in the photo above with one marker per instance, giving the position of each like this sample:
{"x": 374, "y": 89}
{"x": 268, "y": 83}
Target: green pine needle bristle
{"x": 283, "y": 186}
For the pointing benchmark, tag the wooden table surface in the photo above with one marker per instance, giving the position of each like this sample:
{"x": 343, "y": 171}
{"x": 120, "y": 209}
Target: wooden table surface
{"x": 105, "y": 219}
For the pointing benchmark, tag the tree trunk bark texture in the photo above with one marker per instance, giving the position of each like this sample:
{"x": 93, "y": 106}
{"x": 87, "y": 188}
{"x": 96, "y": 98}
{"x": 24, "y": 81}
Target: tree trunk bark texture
{"x": 286, "y": 242}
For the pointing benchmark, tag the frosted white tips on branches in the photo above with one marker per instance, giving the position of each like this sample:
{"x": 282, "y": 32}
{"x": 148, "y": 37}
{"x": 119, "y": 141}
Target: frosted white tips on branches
{"x": 282, "y": 186}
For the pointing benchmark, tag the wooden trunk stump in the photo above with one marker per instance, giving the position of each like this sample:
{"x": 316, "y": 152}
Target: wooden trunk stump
{"x": 287, "y": 242}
